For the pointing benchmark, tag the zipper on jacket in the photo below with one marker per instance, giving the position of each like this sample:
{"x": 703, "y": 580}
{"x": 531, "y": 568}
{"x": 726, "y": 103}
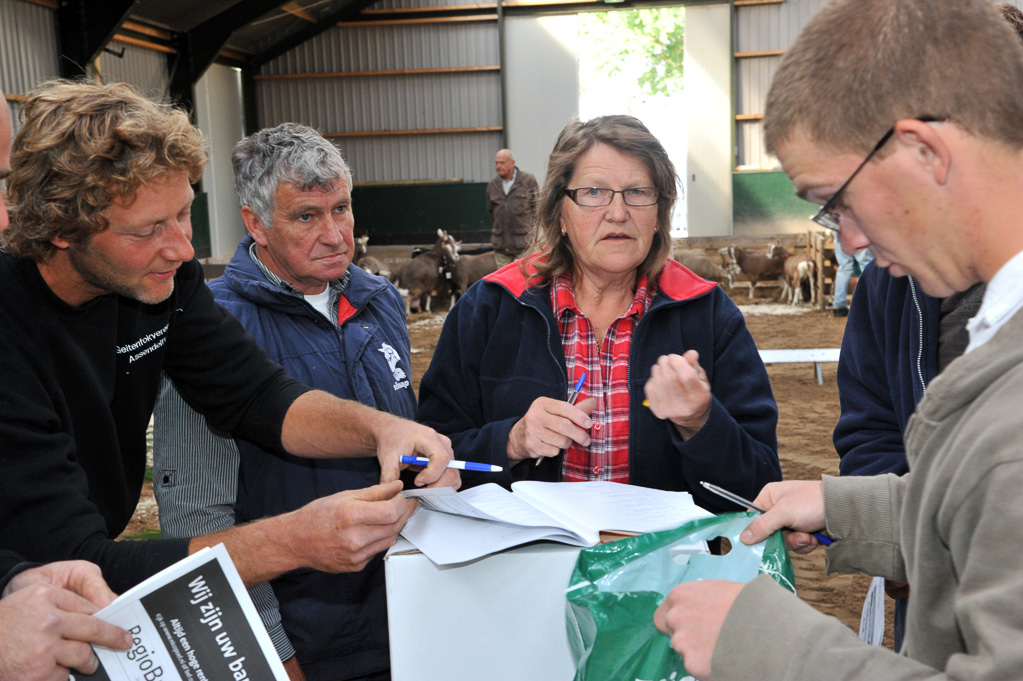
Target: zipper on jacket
{"x": 920, "y": 345}
{"x": 546, "y": 322}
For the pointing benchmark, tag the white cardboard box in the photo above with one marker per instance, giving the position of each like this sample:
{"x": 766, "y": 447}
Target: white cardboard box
{"x": 499, "y": 618}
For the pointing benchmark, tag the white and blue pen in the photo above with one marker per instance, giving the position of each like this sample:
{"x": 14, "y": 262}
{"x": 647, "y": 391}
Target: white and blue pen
{"x": 463, "y": 465}
{"x": 735, "y": 498}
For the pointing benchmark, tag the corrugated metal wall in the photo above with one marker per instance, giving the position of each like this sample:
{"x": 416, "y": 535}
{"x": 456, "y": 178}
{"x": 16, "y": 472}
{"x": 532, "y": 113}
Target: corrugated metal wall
{"x": 28, "y": 55}
{"x": 143, "y": 68}
{"x": 415, "y": 4}
{"x": 28, "y": 49}
{"x": 28, "y": 46}
{"x": 395, "y": 104}
{"x": 761, "y": 28}
{"x": 765, "y": 28}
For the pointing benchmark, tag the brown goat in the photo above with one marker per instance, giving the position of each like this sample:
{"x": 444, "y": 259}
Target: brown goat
{"x": 798, "y": 280}
{"x": 468, "y": 270}
{"x": 421, "y": 275}
{"x": 702, "y": 266}
{"x": 758, "y": 266}
{"x": 368, "y": 262}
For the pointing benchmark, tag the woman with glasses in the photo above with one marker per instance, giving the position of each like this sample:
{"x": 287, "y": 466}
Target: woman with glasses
{"x": 596, "y": 357}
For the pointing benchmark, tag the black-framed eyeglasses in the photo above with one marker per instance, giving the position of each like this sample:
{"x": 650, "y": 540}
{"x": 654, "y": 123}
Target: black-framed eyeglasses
{"x": 826, "y": 217}
{"x": 602, "y": 196}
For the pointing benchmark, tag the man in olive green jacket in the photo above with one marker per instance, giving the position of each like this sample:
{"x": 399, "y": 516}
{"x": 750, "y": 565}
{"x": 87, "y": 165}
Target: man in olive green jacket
{"x": 511, "y": 198}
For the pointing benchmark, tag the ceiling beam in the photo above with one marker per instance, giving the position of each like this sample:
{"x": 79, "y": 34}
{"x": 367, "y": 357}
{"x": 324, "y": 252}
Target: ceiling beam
{"x": 198, "y": 47}
{"x": 347, "y": 13}
{"x": 84, "y": 27}
{"x": 299, "y": 11}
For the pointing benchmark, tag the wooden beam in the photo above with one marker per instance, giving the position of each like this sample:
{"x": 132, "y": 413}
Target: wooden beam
{"x": 542, "y": 3}
{"x": 428, "y": 131}
{"x": 424, "y": 20}
{"x": 394, "y": 72}
{"x": 749, "y": 117}
{"x": 52, "y": 4}
{"x": 443, "y": 8}
{"x": 146, "y": 29}
{"x": 233, "y": 56}
{"x": 759, "y": 53}
{"x": 144, "y": 43}
{"x": 479, "y": 6}
{"x": 299, "y": 11}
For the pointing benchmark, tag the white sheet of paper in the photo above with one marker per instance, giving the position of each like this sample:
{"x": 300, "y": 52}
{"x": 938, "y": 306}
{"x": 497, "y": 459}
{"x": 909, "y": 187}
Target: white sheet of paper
{"x": 447, "y": 539}
{"x": 454, "y": 527}
{"x": 487, "y": 502}
{"x": 872, "y": 617}
{"x": 612, "y": 506}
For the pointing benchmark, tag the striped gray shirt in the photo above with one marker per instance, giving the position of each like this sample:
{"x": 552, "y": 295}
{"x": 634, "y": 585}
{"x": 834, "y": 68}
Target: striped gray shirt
{"x": 195, "y": 481}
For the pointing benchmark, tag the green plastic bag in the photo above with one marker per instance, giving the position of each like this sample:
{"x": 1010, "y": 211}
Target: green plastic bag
{"x": 616, "y": 588}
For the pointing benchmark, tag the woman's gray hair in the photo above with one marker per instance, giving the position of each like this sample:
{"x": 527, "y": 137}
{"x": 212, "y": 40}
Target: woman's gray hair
{"x": 290, "y": 153}
{"x": 629, "y": 136}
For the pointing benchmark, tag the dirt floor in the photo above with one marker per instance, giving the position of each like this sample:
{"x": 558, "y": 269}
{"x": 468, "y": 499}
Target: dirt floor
{"x": 808, "y": 412}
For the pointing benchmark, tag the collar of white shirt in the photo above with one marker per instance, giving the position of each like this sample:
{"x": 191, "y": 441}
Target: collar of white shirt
{"x": 1002, "y": 300}
{"x": 507, "y": 184}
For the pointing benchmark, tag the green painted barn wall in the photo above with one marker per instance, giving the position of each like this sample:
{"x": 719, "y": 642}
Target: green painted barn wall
{"x": 760, "y": 196}
{"x": 412, "y": 213}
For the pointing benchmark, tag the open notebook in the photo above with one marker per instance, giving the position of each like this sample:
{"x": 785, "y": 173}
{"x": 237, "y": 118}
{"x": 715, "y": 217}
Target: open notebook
{"x": 454, "y": 527}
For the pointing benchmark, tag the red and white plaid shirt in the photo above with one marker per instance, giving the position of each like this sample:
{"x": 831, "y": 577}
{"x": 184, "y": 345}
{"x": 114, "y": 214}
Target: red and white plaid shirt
{"x": 607, "y": 379}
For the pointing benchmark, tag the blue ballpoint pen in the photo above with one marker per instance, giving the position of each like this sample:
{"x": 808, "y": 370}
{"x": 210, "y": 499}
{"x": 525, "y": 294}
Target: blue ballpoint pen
{"x": 573, "y": 395}
{"x": 735, "y": 498}
{"x": 462, "y": 465}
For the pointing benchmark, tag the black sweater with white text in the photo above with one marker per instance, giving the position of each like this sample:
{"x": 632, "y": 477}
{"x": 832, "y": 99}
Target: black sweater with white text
{"x": 77, "y": 389}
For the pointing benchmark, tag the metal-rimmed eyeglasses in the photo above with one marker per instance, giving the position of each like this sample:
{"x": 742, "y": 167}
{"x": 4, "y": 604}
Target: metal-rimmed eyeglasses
{"x": 593, "y": 197}
{"x": 826, "y": 217}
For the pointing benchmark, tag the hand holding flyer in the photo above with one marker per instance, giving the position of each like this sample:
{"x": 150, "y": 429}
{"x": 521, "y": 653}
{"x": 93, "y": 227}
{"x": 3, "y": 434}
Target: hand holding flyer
{"x": 193, "y": 621}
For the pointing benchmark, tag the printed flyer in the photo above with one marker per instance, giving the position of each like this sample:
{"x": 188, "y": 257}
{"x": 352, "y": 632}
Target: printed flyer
{"x": 193, "y": 621}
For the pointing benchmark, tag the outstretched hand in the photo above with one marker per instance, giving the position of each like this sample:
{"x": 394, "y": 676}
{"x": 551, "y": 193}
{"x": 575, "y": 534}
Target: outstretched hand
{"x": 678, "y": 390}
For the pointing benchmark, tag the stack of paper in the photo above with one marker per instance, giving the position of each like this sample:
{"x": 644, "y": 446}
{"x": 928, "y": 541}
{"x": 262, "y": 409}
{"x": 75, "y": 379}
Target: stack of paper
{"x": 454, "y": 527}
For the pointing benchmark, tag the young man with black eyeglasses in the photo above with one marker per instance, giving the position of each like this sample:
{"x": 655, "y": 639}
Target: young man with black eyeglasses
{"x": 940, "y": 200}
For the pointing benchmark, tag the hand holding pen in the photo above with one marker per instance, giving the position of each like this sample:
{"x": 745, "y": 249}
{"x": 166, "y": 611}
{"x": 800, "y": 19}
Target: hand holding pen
{"x": 548, "y": 427}
{"x": 573, "y": 395}
{"x": 791, "y": 506}
{"x": 454, "y": 463}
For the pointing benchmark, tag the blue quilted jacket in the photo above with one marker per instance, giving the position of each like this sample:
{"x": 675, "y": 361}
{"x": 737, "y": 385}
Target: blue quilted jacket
{"x": 337, "y": 623}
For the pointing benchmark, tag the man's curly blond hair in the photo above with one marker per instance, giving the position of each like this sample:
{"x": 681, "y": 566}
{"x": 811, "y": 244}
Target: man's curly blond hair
{"x": 82, "y": 146}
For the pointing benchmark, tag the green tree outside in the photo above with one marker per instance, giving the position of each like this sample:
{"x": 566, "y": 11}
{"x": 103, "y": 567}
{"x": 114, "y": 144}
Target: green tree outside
{"x": 648, "y": 40}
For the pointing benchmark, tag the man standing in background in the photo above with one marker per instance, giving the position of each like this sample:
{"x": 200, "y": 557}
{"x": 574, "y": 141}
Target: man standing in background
{"x": 511, "y": 198}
